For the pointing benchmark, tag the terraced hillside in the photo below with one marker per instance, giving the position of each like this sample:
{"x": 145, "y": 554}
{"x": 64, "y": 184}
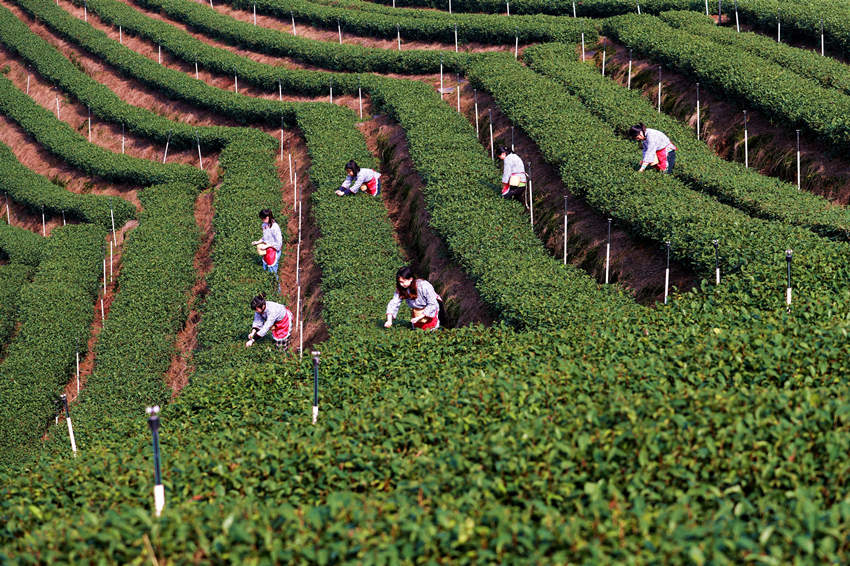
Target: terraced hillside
{"x": 632, "y": 367}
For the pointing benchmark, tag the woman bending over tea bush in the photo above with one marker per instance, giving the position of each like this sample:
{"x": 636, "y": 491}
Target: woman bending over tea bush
{"x": 357, "y": 178}
{"x": 269, "y": 315}
{"x": 658, "y": 150}
{"x": 513, "y": 172}
{"x": 420, "y": 296}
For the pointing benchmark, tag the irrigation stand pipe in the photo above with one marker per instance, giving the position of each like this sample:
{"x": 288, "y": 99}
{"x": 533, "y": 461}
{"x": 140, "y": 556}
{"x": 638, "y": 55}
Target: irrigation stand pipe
{"x": 603, "y": 62}
{"x": 492, "y": 150}
{"x": 255, "y": 13}
{"x": 779, "y": 25}
{"x": 159, "y": 54}
{"x": 339, "y": 30}
{"x": 659, "y": 89}
{"x": 706, "y": 7}
{"x": 279, "y": 91}
{"x": 111, "y": 261}
{"x": 456, "y": 38}
{"x": 167, "y": 141}
{"x": 822, "y": 51}
{"x": 78, "y": 368}
{"x": 737, "y": 24}
{"x": 112, "y": 219}
{"x": 475, "y": 98}
{"x": 458, "y": 93}
{"x": 608, "y": 252}
{"x": 196, "y": 69}
{"x": 530, "y": 196}
{"x": 788, "y": 255}
{"x": 565, "y": 229}
{"x": 441, "y": 77}
{"x": 516, "y": 45}
{"x": 64, "y": 399}
{"x": 158, "y": 489}
{"x": 43, "y": 224}
{"x": 200, "y": 159}
{"x": 331, "y": 87}
{"x": 315, "y": 354}
{"x": 360, "y": 100}
{"x": 667, "y": 273}
{"x": 281, "y": 142}
{"x": 746, "y": 142}
{"x": 582, "y": 47}
{"x": 63, "y": 217}
{"x": 574, "y": 9}
{"x": 293, "y": 23}
{"x": 698, "y": 128}
{"x": 398, "y": 36}
{"x": 629, "y": 78}
{"x": 799, "y": 186}
{"x": 716, "y": 263}
{"x": 235, "y": 82}
{"x": 122, "y": 137}
{"x": 638, "y": 7}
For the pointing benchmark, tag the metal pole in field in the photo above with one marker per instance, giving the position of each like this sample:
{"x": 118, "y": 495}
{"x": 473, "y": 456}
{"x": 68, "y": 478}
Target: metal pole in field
{"x": 450, "y": 6}
{"x": 608, "y": 252}
{"x": 64, "y": 399}
{"x": 716, "y": 263}
{"x": 565, "y": 229}
{"x": 331, "y": 86}
{"x": 167, "y": 141}
{"x": 289, "y": 154}
{"x": 8, "y": 215}
{"x": 719, "y": 12}
{"x": 86, "y": 11}
{"x": 603, "y": 62}
{"x": 58, "y": 117}
{"x": 293, "y": 22}
{"x": 315, "y": 355}
{"x": 301, "y": 341}
{"x": 507, "y": 8}
{"x": 516, "y": 44}
{"x": 360, "y": 99}
{"x": 659, "y": 89}
{"x": 63, "y": 217}
{"x": 788, "y": 255}
{"x": 492, "y": 150}
{"x": 235, "y": 82}
{"x": 398, "y": 36}
{"x": 582, "y": 47}
{"x": 822, "y": 51}
{"x": 295, "y": 186}
{"x": 441, "y": 77}
{"x": 737, "y": 24}
{"x": 78, "y": 368}
{"x": 458, "y": 92}
{"x": 281, "y": 139}
{"x": 104, "y": 273}
{"x": 111, "y": 260}
{"x": 28, "y": 79}
{"x": 43, "y": 224}
{"x": 120, "y": 35}
{"x": 706, "y": 7}
{"x": 455, "y": 38}
{"x": 574, "y": 9}
{"x": 512, "y": 137}
{"x": 698, "y": 128}
{"x": 196, "y": 70}
{"x": 799, "y": 186}
{"x": 530, "y": 197}
{"x": 159, "y": 54}
{"x": 638, "y": 7}
{"x": 279, "y": 91}
{"x": 255, "y": 13}
{"x": 667, "y": 273}
{"x": 629, "y": 78}
{"x": 779, "y": 25}
{"x": 122, "y": 137}
{"x": 339, "y": 30}
{"x": 200, "y": 159}
{"x": 158, "y": 489}
{"x": 746, "y": 143}
{"x": 112, "y": 218}
{"x": 475, "y": 98}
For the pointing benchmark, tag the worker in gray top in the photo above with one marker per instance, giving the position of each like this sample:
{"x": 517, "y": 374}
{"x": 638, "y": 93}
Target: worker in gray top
{"x": 658, "y": 150}
{"x": 359, "y": 178}
{"x": 513, "y": 172}
{"x": 269, "y": 315}
{"x": 268, "y": 247}
{"x": 420, "y": 296}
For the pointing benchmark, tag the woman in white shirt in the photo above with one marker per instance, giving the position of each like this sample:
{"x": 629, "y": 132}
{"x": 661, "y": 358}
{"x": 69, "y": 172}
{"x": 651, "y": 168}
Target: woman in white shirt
{"x": 270, "y": 316}
{"x": 658, "y": 150}
{"x": 513, "y": 172}
{"x": 268, "y": 247}
{"x": 357, "y": 178}
{"x": 420, "y": 296}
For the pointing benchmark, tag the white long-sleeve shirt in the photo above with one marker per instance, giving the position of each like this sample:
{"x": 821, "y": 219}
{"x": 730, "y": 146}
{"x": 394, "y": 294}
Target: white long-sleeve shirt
{"x": 272, "y": 235}
{"x": 364, "y": 176}
{"x": 274, "y": 312}
{"x": 655, "y": 141}
{"x": 511, "y": 166}
{"x": 426, "y": 298}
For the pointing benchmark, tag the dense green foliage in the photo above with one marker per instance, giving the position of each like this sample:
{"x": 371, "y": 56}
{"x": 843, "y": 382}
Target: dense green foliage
{"x": 13, "y": 277}
{"x": 756, "y": 194}
{"x": 56, "y": 310}
{"x": 749, "y": 79}
{"x": 19, "y": 245}
{"x": 136, "y": 346}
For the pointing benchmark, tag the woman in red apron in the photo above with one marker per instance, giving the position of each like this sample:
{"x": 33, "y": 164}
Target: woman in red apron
{"x": 658, "y": 150}
{"x": 270, "y": 316}
{"x": 420, "y": 296}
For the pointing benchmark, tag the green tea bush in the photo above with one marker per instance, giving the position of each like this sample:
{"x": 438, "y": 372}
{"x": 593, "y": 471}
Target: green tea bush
{"x": 19, "y": 245}
{"x": 13, "y": 277}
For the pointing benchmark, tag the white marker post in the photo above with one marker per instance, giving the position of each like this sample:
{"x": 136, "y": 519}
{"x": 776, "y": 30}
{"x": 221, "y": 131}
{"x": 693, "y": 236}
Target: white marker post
{"x": 779, "y": 26}
{"x": 799, "y": 186}
{"x": 706, "y": 7}
{"x": 58, "y": 116}
{"x": 565, "y": 229}
{"x": 746, "y": 143}
{"x": 295, "y": 187}
{"x": 43, "y": 224}
{"x": 441, "y": 77}
{"x": 638, "y": 8}
{"x": 574, "y": 9}
{"x": 603, "y": 62}
{"x": 122, "y": 137}
{"x": 159, "y": 54}
{"x": 475, "y": 99}
{"x": 235, "y": 82}
{"x": 64, "y": 399}
{"x": 281, "y": 143}
{"x": 822, "y": 51}
{"x": 104, "y": 273}
{"x": 450, "y": 6}
{"x": 398, "y": 36}
{"x": 167, "y": 141}
{"x": 28, "y": 79}
{"x": 301, "y": 341}
{"x": 530, "y": 197}
{"x": 608, "y": 252}
{"x": 158, "y": 489}
{"x": 121, "y": 35}
{"x": 289, "y": 155}
{"x": 516, "y": 44}
{"x": 315, "y": 355}
{"x": 737, "y": 24}
{"x": 339, "y": 29}
{"x": 456, "y": 38}
{"x": 279, "y": 91}
{"x": 659, "y": 89}
{"x": 89, "y": 124}
{"x": 200, "y": 159}
{"x": 629, "y": 77}
{"x": 698, "y": 128}
{"x": 8, "y": 215}
{"x": 458, "y": 92}
{"x": 86, "y": 11}
{"x": 196, "y": 70}
{"x": 492, "y": 150}
{"x": 788, "y": 255}
{"x": 331, "y": 91}
{"x": 512, "y": 137}
{"x": 112, "y": 218}
{"x": 255, "y": 13}
{"x": 78, "y": 369}
{"x": 111, "y": 260}
{"x": 507, "y": 8}
{"x": 360, "y": 99}
{"x": 293, "y": 23}
{"x": 667, "y": 273}
{"x": 582, "y": 47}
{"x": 716, "y": 263}
{"x": 63, "y": 218}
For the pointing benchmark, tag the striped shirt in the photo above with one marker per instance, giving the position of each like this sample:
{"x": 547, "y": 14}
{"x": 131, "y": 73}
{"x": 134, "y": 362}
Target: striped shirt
{"x": 272, "y": 235}
{"x": 274, "y": 312}
{"x": 426, "y": 298}
{"x": 364, "y": 176}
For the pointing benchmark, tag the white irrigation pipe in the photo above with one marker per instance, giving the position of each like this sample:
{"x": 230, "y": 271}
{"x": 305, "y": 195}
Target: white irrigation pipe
{"x": 398, "y": 36}
{"x": 822, "y": 50}
{"x": 799, "y": 186}
{"x": 315, "y": 355}
{"x": 196, "y": 70}
{"x": 159, "y": 54}
{"x": 121, "y": 35}
{"x": 788, "y": 255}
{"x": 737, "y": 24}
{"x": 456, "y": 38}
{"x": 255, "y": 13}
{"x": 667, "y": 273}
{"x": 516, "y": 45}
{"x": 339, "y": 29}
{"x": 530, "y": 197}
{"x": 291, "y": 180}
{"x": 28, "y": 81}
{"x": 167, "y": 141}
{"x": 629, "y": 78}
{"x": 659, "y": 89}
{"x": 698, "y": 128}
{"x": 78, "y": 370}
{"x": 295, "y": 187}
{"x": 475, "y": 98}
{"x": 716, "y": 263}
{"x": 293, "y": 23}
{"x": 235, "y": 83}
{"x": 111, "y": 261}
{"x": 458, "y": 92}
{"x": 122, "y": 137}
{"x": 566, "y": 226}
{"x": 574, "y": 9}
{"x": 604, "y": 53}
{"x": 112, "y": 218}
{"x": 158, "y": 489}
{"x": 281, "y": 143}
{"x": 582, "y": 47}
{"x": 200, "y": 159}
{"x": 441, "y": 78}
{"x": 70, "y": 425}
{"x": 746, "y": 142}
{"x": 492, "y": 150}
{"x": 279, "y": 91}
{"x": 360, "y": 100}
{"x": 778, "y": 26}
{"x": 57, "y": 108}
{"x": 608, "y": 252}
{"x": 43, "y": 224}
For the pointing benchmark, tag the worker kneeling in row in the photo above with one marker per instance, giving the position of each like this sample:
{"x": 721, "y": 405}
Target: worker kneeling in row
{"x": 357, "y": 178}
{"x": 658, "y": 150}
{"x": 269, "y": 315}
{"x": 420, "y": 296}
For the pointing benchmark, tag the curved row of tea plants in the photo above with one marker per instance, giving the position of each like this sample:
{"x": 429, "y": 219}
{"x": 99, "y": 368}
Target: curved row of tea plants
{"x": 425, "y": 25}
{"x": 807, "y": 63}
{"x": 583, "y": 8}
{"x": 19, "y": 245}
{"x": 37, "y": 193}
{"x": 13, "y": 277}
{"x": 595, "y": 164}
{"x": 732, "y": 183}
{"x": 56, "y": 311}
{"x": 137, "y": 343}
{"x": 747, "y": 78}
{"x": 356, "y": 251}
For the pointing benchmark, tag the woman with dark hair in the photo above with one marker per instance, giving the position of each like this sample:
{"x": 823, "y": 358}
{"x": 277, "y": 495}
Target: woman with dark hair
{"x": 658, "y": 150}
{"x": 272, "y": 316}
{"x": 419, "y": 296}
{"x": 357, "y": 177}
{"x": 513, "y": 172}
{"x": 268, "y": 247}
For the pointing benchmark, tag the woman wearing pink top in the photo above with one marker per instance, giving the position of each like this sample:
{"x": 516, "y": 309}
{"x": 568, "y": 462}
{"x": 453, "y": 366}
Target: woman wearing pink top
{"x": 658, "y": 150}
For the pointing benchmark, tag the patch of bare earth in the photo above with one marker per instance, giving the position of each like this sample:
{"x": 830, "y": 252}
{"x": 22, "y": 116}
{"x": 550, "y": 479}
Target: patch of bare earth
{"x": 401, "y": 188}
{"x": 181, "y": 368}
{"x": 113, "y": 270}
{"x": 635, "y": 263}
{"x": 772, "y": 146}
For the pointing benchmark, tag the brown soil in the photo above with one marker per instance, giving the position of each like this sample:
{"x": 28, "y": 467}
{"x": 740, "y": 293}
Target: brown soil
{"x": 315, "y": 330}
{"x": 401, "y": 188}
{"x": 772, "y": 147}
{"x": 87, "y": 356}
{"x": 177, "y": 376}
{"x": 635, "y": 263}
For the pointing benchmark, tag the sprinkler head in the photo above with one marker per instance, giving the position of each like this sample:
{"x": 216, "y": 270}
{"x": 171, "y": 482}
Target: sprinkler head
{"x": 788, "y": 254}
